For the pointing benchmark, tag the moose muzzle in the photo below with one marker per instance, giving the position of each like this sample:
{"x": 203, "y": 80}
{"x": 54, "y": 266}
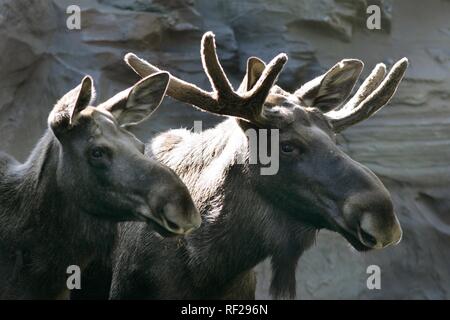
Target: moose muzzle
{"x": 370, "y": 219}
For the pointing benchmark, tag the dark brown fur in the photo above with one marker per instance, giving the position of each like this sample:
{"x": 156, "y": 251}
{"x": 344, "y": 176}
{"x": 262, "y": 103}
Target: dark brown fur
{"x": 59, "y": 208}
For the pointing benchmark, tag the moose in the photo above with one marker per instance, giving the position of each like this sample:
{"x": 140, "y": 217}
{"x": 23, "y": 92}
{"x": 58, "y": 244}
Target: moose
{"x": 248, "y": 217}
{"x": 88, "y": 172}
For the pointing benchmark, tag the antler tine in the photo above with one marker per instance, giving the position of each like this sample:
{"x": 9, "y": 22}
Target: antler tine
{"x": 177, "y": 89}
{"x": 213, "y": 69}
{"x": 374, "y": 100}
{"x": 367, "y": 87}
{"x": 261, "y": 90}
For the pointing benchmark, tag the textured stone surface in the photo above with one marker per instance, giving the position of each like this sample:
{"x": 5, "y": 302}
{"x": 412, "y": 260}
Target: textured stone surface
{"x": 407, "y": 144}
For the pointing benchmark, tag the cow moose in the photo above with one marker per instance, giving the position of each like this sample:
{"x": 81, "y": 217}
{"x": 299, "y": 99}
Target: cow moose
{"x": 248, "y": 217}
{"x": 88, "y": 172}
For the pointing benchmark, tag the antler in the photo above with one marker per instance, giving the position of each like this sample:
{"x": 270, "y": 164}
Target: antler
{"x": 374, "y": 93}
{"x": 223, "y": 99}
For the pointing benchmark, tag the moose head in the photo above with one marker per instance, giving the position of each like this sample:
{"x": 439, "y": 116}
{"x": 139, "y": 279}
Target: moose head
{"x": 102, "y": 167}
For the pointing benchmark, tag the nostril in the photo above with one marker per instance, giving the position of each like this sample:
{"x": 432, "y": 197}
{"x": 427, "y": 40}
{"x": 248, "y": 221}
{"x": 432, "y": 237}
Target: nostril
{"x": 169, "y": 215}
{"x": 172, "y": 225}
{"x": 367, "y": 238}
{"x": 178, "y": 219}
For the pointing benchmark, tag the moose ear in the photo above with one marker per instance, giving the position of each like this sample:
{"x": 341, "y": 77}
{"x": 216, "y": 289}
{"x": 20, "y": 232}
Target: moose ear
{"x": 71, "y": 104}
{"x": 331, "y": 89}
{"x": 85, "y": 93}
{"x": 255, "y": 68}
{"x": 137, "y": 103}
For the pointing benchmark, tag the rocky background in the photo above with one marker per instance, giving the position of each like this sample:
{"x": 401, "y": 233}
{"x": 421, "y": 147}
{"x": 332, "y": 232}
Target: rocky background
{"x": 407, "y": 144}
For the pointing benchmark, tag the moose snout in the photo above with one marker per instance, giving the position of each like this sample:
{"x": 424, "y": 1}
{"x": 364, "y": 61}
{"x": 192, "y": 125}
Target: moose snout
{"x": 171, "y": 204}
{"x": 378, "y": 235}
{"x": 371, "y": 218}
{"x": 179, "y": 219}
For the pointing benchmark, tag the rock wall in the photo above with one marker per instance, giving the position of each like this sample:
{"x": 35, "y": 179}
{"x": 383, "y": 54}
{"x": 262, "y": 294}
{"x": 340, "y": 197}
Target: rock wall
{"x": 407, "y": 144}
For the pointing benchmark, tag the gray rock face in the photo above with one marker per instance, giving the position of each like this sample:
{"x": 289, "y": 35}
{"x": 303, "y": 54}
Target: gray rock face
{"x": 407, "y": 144}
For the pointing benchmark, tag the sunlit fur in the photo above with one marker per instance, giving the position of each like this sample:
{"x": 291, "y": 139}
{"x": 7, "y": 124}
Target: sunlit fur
{"x": 240, "y": 227}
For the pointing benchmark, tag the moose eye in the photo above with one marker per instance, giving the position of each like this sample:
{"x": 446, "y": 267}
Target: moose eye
{"x": 100, "y": 157}
{"x": 287, "y": 148}
{"x": 97, "y": 153}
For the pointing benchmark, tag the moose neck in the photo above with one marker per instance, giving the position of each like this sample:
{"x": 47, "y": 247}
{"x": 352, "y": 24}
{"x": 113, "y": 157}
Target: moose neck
{"x": 49, "y": 230}
{"x": 31, "y": 195}
{"x": 228, "y": 243}
{"x": 240, "y": 226}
